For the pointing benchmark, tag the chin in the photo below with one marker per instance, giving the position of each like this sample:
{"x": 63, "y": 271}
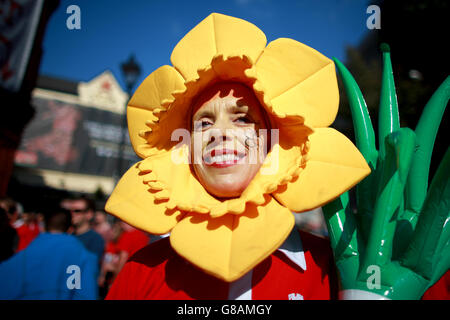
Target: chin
{"x": 227, "y": 189}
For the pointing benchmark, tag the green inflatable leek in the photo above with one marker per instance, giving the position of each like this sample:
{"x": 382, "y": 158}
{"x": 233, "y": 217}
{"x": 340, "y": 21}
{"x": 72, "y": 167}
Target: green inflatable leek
{"x": 397, "y": 244}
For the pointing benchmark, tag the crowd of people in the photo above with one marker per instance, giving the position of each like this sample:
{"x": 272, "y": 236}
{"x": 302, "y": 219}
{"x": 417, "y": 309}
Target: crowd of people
{"x": 73, "y": 250}
{"x": 69, "y": 245}
{"x": 38, "y": 246}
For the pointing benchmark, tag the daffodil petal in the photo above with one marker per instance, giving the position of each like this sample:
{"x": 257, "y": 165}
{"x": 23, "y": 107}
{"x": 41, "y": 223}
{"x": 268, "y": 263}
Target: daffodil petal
{"x": 334, "y": 166}
{"x": 298, "y": 80}
{"x": 148, "y": 102}
{"x": 217, "y": 34}
{"x": 132, "y": 202}
{"x": 170, "y": 171}
{"x": 230, "y": 246}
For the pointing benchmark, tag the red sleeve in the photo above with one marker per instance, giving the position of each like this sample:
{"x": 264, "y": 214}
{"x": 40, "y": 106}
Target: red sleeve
{"x": 122, "y": 242}
{"x": 132, "y": 241}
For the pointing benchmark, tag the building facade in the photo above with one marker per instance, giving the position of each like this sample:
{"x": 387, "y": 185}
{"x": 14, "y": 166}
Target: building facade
{"x": 77, "y": 136}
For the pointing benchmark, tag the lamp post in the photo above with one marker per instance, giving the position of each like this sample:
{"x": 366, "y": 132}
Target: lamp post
{"x": 131, "y": 72}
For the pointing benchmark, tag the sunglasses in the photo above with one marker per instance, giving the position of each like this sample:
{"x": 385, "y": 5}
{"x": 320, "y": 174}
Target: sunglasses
{"x": 78, "y": 210}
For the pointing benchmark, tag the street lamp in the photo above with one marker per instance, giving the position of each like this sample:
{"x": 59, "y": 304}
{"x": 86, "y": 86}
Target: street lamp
{"x": 131, "y": 72}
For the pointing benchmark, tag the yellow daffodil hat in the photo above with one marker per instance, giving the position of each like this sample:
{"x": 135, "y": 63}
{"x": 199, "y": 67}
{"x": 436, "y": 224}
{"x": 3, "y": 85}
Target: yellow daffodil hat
{"x": 297, "y": 86}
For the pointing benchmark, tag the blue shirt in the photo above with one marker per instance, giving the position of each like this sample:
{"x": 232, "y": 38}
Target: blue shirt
{"x": 53, "y": 266}
{"x": 93, "y": 242}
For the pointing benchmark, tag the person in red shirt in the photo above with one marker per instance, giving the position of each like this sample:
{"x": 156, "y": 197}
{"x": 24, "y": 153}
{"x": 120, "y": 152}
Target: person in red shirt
{"x": 255, "y": 147}
{"x": 129, "y": 241}
{"x": 110, "y": 264}
{"x": 27, "y": 228}
{"x": 234, "y": 138}
{"x": 25, "y": 223}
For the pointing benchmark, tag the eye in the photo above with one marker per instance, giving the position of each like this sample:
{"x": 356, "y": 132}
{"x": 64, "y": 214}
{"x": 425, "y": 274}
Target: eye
{"x": 243, "y": 119}
{"x": 202, "y": 124}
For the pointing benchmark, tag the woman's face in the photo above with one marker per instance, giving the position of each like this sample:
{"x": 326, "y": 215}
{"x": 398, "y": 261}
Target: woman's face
{"x": 226, "y": 145}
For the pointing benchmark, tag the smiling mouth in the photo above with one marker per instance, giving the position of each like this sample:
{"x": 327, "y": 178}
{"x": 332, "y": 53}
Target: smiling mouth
{"x": 222, "y": 158}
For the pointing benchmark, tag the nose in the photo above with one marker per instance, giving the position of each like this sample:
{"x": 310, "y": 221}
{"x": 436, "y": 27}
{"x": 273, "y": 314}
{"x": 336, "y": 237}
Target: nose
{"x": 219, "y": 136}
{"x": 221, "y": 130}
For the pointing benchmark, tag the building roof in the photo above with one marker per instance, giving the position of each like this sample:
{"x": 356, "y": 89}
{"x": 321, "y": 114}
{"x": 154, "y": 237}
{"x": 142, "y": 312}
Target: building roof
{"x": 57, "y": 84}
{"x": 103, "y": 91}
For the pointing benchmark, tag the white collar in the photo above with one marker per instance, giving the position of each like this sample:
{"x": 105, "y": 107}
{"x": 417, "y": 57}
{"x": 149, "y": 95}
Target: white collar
{"x": 241, "y": 289}
{"x": 293, "y": 248}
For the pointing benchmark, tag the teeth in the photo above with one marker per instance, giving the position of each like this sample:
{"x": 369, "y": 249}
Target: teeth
{"x": 222, "y": 158}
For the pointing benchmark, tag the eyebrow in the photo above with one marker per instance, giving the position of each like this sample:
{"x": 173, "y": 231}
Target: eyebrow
{"x": 204, "y": 113}
{"x": 235, "y": 108}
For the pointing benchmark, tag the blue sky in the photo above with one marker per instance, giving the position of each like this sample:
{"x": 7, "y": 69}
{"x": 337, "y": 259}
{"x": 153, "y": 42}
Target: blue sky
{"x": 112, "y": 30}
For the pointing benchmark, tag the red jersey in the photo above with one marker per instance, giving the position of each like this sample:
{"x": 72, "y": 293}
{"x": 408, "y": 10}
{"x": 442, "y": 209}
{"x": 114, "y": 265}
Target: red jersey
{"x": 132, "y": 241}
{"x": 26, "y": 233}
{"x": 158, "y": 272}
{"x": 111, "y": 253}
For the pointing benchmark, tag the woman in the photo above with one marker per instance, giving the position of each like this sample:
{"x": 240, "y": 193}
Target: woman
{"x": 234, "y": 139}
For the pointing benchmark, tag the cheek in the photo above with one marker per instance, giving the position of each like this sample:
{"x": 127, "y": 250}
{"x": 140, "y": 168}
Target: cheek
{"x": 257, "y": 149}
{"x": 198, "y": 143}
{"x": 196, "y": 149}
